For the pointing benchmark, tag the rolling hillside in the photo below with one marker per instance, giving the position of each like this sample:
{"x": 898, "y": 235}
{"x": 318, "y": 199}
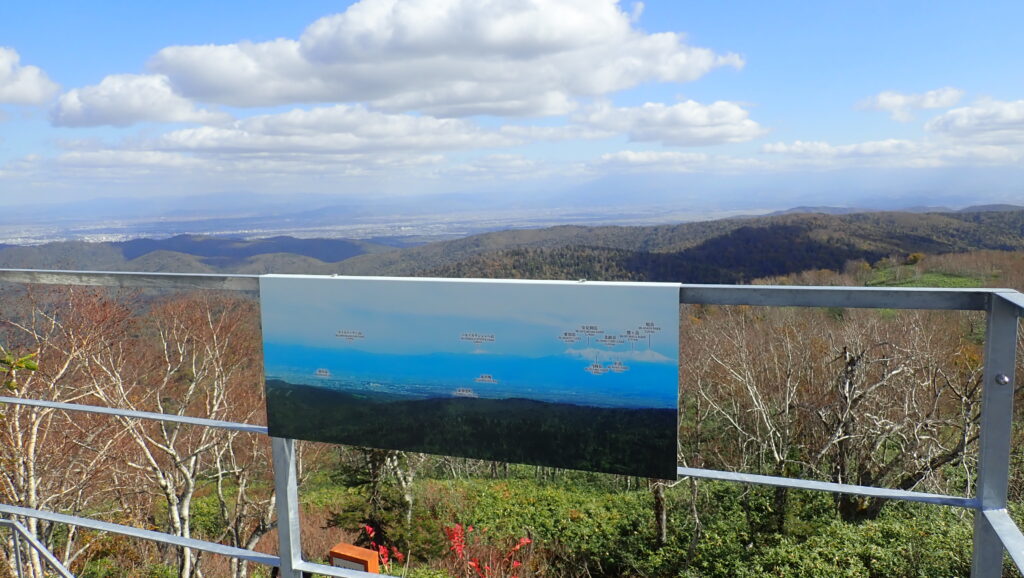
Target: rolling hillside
{"x": 725, "y": 251}
{"x": 722, "y": 251}
{"x": 191, "y": 253}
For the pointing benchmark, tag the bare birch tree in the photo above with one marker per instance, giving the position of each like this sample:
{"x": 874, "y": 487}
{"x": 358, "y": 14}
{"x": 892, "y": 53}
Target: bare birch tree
{"x": 849, "y": 396}
{"x": 52, "y": 460}
{"x": 204, "y": 358}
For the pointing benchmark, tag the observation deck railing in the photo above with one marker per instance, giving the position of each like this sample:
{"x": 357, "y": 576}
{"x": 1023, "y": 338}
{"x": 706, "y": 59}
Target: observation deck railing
{"x": 19, "y": 533}
{"x": 994, "y": 530}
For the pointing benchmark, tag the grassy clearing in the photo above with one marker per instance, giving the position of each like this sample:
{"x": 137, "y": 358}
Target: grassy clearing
{"x": 907, "y": 276}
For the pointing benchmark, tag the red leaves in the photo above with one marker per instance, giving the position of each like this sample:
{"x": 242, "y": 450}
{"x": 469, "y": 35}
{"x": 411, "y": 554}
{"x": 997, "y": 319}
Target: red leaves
{"x": 383, "y": 552}
{"x": 457, "y": 539}
{"x": 476, "y": 559}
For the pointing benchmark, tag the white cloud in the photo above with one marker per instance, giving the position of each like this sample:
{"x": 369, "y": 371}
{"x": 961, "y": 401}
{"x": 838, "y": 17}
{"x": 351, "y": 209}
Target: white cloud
{"x": 675, "y": 161}
{"x": 990, "y": 121}
{"x": 687, "y": 123}
{"x": 532, "y": 133}
{"x": 340, "y": 128}
{"x": 108, "y": 158}
{"x": 444, "y": 58}
{"x": 901, "y": 106}
{"x": 22, "y": 84}
{"x": 25, "y": 165}
{"x": 822, "y": 149}
{"x": 498, "y": 166}
{"x": 888, "y": 153}
{"x": 813, "y": 155}
{"x": 121, "y": 165}
{"x": 125, "y": 99}
{"x": 683, "y": 161}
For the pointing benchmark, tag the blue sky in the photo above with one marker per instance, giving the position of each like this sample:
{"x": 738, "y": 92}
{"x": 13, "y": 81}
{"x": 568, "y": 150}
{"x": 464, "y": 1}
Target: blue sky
{"x": 743, "y": 104}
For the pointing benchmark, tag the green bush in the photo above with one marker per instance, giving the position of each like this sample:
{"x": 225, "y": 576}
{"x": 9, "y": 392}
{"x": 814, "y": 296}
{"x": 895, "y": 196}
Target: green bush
{"x": 911, "y": 541}
{"x": 580, "y": 528}
{"x": 427, "y": 573}
{"x": 577, "y": 526}
{"x": 207, "y": 521}
{"x": 160, "y": 571}
{"x": 99, "y": 568}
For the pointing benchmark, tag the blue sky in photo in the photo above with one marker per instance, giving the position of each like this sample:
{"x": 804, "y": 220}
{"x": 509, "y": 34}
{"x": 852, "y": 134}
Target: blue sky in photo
{"x": 415, "y": 338}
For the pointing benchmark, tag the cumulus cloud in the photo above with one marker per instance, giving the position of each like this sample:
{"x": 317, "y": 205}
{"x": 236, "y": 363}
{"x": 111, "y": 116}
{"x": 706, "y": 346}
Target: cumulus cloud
{"x": 108, "y": 158}
{"x": 656, "y": 158}
{"x": 339, "y": 128}
{"x": 125, "y": 99}
{"x": 675, "y": 161}
{"x": 22, "y": 84}
{"x": 889, "y": 153}
{"x": 901, "y": 106}
{"x": 687, "y": 123}
{"x": 498, "y": 166}
{"x": 444, "y": 58}
{"x": 886, "y": 147}
{"x": 990, "y": 121}
{"x": 815, "y": 155}
{"x": 532, "y": 133}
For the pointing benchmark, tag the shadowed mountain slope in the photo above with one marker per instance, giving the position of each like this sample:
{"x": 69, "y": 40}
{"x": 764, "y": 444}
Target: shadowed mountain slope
{"x": 728, "y": 250}
{"x": 723, "y": 251}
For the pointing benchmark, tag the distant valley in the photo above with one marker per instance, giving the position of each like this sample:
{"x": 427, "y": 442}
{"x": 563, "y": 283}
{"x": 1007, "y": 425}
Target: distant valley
{"x": 731, "y": 250}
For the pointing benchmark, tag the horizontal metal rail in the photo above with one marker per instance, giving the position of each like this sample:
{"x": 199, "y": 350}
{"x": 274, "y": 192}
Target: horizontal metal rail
{"x": 853, "y": 297}
{"x": 800, "y": 484}
{"x": 200, "y": 421}
{"x": 136, "y": 280}
{"x": 755, "y": 295}
{"x": 160, "y": 536}
{"x": 213, "y": 547}
{"x": 43, "y": 551}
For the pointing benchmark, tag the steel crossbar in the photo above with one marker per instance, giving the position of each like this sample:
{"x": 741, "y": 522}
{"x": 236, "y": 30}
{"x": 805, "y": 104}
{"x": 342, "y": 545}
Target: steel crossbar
{"x": 802, "y": 484}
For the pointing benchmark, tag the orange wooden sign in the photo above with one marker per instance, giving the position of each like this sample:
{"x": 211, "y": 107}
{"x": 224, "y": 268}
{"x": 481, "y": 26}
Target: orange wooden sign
{"x": 354, "y": 558}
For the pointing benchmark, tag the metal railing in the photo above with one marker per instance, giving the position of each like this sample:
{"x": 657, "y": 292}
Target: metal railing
{"x": 19, "y": 533}
{"x": 994, "y": 530}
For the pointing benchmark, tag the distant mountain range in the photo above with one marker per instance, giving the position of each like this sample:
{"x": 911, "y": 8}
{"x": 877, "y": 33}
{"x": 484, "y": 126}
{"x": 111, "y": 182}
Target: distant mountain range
{"x": 720, "y": 251}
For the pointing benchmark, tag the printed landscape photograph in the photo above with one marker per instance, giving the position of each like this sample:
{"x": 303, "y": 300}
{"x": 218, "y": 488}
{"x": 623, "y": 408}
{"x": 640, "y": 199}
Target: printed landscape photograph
{"x": 578, "y": 375}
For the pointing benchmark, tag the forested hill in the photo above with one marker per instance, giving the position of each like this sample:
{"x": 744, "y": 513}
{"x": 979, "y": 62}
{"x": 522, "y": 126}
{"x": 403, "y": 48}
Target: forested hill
{"x": 191, "y": 253}
{"x": 722, "y": 251}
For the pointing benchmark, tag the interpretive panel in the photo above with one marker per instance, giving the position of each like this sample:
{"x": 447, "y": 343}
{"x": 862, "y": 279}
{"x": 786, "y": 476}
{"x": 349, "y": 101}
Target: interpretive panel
{"x": 573, "y": 375}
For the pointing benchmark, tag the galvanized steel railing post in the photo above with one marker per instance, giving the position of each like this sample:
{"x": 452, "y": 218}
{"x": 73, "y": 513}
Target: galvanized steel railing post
{"x": 996, "y": 430}
{"x": 20, "y": 536}
{"x": 16, "y": 538}
{"x": 287, "y": 502}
